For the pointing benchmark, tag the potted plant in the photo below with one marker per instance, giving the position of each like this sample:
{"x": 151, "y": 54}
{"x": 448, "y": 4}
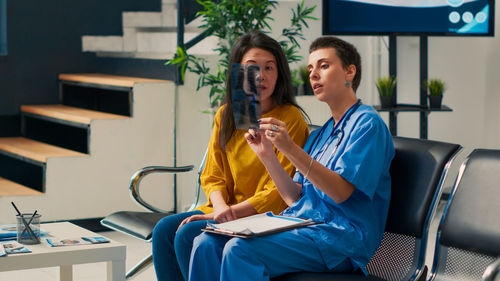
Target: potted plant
{"x": 385, "y": 87}
{"x": 435, "y": 88}
{"x": 306, "y": 83}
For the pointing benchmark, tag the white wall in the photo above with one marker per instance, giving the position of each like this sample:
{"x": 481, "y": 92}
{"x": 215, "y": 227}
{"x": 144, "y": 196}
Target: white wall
{"x": 492, "y": 94}
{"x": 193, "y": 133}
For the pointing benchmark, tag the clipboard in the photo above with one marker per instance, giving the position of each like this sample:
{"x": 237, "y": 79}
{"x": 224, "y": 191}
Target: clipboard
{"x": 257, "y": 225}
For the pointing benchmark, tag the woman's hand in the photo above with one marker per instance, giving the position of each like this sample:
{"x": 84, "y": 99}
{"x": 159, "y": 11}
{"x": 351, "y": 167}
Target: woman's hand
{"x": 277, "y": 132}
{"x": 219, "y": 215}
{"x": 196, "y": 218}
{"x": 262, "y": 147}
{"x": 274, "y": 131}
{"x": 224, "y": 214}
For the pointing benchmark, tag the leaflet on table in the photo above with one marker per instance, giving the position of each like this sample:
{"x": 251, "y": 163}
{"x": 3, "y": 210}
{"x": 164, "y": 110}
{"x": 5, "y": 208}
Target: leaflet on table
{"x": 9, "y": 232}
{"x": 257, "y": 225}
{"x": 13, "y": 247}
{"x": 2, "y": 251}
{"x": 57, "y": 242}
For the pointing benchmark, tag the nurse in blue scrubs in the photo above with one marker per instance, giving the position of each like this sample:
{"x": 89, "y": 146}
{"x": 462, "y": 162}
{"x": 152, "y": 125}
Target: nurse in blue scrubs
{"x": 342, "y": 182}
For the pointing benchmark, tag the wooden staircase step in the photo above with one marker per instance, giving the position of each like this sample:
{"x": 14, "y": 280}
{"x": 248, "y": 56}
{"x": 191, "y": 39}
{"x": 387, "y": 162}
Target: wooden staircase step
{"x": 106, "y": 79}
{"x": 35, "y": 150}
{"x": 10, "y": 188}
{"x": 69, "y": 113}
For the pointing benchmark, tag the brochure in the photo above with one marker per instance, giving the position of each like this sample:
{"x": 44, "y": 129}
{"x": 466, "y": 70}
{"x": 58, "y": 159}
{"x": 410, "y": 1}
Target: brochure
{"x": 257, "y": 225}
{"x": 2, "y": 251}
{"x": 9, "y": 232}
{"x": 57, "y": 242}
{"x": 13, "y": 247}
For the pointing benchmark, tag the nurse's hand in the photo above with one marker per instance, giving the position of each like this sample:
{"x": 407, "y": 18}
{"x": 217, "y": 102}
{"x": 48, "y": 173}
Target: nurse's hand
{"x": 277, "y": 132}
{"x": 262, "y": 147}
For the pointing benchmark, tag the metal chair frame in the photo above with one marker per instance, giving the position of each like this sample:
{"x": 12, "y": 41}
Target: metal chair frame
{"x": 134, "y": 191}
{"x": 492, "y": 271}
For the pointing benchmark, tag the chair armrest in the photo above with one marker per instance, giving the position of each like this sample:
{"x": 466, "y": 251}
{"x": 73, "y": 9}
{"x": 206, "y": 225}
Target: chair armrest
{"x": 135, "y": 180}
{"x": 492, "y": 272}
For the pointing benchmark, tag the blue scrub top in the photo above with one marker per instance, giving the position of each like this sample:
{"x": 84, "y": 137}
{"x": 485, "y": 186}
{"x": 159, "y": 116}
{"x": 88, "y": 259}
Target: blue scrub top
{"x": 353, "y": 229}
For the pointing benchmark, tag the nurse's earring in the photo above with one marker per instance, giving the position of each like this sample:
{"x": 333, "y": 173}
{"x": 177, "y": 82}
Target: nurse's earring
{"x": 348, "y": 84}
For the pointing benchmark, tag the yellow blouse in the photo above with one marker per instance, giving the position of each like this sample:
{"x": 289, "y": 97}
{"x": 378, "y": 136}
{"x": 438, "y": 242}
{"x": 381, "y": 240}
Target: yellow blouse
{"x": 238, "y": 172}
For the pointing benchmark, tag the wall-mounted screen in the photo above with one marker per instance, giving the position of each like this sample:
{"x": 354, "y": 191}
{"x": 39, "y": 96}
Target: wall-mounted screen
{"x": 409, "y": 17}
{"x": 3, "y": 27}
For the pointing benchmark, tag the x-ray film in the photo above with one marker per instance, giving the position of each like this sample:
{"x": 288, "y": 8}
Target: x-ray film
{"x": 245, "y": 89}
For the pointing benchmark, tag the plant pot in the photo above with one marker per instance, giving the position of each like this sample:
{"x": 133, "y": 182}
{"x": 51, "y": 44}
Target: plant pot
{"x": 308, "y": 90}
{"x": 387, "y": 101}
{"x": 435, "y": 101}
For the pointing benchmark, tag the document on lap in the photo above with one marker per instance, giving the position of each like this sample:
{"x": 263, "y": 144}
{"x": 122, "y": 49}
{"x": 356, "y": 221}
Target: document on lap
{"x": 257, "y": 225}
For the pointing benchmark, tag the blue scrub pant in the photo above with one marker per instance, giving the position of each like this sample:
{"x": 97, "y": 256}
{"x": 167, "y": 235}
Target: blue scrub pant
{"x": 217, "y": 257}
{"x": 171, "y": 250}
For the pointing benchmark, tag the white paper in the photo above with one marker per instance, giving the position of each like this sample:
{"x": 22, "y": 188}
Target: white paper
{"x": 2, "y": 251}
{"x": 258, "y": 223}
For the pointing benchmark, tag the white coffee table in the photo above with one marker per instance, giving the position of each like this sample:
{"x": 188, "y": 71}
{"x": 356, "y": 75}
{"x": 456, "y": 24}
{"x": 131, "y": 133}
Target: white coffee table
{"x": 43, "y": 255}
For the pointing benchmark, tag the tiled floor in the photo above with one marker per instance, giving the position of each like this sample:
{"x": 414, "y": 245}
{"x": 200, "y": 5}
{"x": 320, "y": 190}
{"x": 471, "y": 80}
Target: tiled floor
{"x": 136, "y": 251}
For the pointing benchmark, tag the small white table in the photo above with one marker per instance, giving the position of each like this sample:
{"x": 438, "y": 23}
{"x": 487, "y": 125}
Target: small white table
{"x": 43, "y": 255}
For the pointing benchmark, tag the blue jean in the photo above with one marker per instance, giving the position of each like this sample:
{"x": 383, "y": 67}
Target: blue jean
{"x": 216, "y": 257}
{"x": 171, "y": 250}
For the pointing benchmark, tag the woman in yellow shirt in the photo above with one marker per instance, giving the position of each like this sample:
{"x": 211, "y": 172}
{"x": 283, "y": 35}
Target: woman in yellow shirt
{"x": 234, "y": 179}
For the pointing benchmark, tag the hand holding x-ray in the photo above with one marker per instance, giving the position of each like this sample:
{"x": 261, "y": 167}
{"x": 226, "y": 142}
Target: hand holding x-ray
{"x": 245, "y": 89}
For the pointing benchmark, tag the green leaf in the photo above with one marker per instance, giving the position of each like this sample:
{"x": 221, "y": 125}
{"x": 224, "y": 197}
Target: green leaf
{"x": 386, "y": 85}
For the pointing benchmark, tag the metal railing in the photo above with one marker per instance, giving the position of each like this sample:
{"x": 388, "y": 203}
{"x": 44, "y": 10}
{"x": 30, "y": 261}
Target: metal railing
{"x": 186, "y": 12}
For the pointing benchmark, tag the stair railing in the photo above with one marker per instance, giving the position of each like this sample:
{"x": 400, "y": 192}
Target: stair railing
{"x": 186, "y": 12}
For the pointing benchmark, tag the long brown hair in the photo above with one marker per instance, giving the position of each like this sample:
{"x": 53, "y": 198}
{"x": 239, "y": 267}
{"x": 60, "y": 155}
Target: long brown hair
{"x": 283, "y": 91}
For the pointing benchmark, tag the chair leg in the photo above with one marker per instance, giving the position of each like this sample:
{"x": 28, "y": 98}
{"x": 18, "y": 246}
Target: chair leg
{"x": 145, "y": 262}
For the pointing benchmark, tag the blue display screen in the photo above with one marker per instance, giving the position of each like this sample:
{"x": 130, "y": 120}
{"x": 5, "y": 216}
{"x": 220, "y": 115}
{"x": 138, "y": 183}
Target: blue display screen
{"x": 430, "y": 17}
{"x": 3, "y": 27}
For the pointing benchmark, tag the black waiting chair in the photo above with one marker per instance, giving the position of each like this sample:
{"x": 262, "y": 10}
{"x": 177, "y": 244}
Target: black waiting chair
{"x": 141, "y": 224}
{"x": 418, "y": 172}
{"x": 468, "y": 240}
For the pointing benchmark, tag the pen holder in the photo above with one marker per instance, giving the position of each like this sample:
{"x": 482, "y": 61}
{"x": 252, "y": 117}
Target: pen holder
{"x": 28, "y": 228}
